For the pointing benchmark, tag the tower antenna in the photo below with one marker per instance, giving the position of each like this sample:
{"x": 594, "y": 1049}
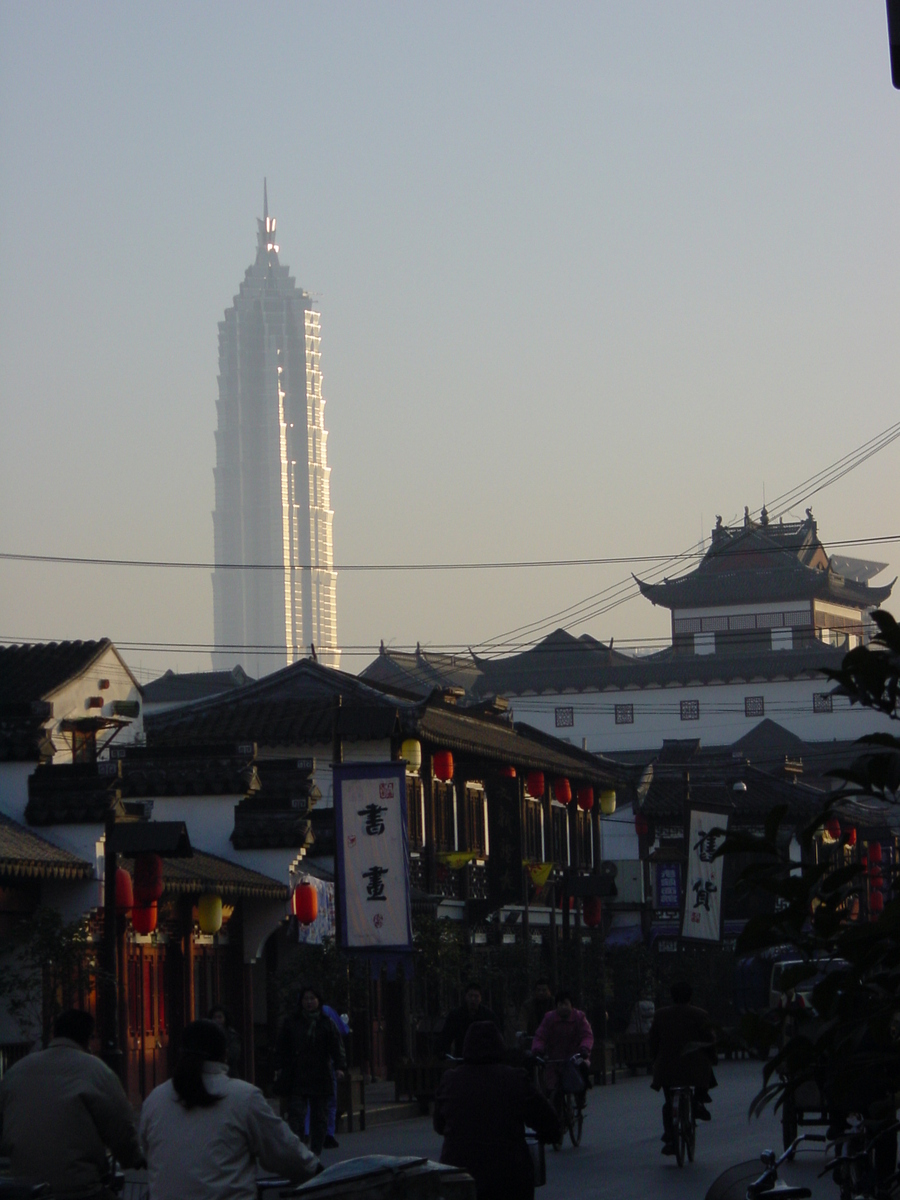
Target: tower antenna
{"x": 265, "y": 199}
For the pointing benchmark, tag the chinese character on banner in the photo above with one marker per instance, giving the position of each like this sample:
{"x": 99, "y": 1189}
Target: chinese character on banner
{"x": 702, "y": 919}
{"x": 372, "y": 859}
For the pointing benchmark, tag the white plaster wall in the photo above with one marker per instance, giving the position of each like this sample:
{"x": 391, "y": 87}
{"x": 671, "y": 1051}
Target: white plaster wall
{"x": 722, "y": 721}
{"x": 618, "y": 839}
{"x": 70, "y": 701}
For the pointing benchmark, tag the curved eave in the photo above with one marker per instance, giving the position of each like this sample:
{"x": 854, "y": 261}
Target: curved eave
{"x": 235, "y": 891}
{"x": 34, "y": 869}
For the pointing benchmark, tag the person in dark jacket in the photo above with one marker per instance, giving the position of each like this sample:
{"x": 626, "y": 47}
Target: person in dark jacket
{"x": 309, "y": 1054}
{"x": 452, "y": 1036}
{"x": 482, "y": 1108}
{"x": 683, "y": 1046}
{"x": 221, "y": 1017}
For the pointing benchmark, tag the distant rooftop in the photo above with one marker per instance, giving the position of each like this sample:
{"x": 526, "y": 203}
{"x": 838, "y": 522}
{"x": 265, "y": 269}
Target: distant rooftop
{"x": 760, "y": 562}
{"x": 173, "y": 688}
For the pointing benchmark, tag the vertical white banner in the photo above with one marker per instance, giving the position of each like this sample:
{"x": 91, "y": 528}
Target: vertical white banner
{"x": 703, "y": 887}
{"x": 372, "y": 856}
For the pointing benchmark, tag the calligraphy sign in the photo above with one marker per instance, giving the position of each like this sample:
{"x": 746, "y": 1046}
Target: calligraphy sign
{"x": 372, "y": 859}
{"x": 702, "y": 919}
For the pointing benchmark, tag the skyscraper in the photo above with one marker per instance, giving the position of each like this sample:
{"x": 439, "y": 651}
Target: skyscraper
{"x": 271, "y": 476}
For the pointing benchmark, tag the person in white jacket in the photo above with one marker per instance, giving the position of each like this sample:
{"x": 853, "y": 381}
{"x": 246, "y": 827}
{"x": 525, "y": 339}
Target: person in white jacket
{"x": 203, "y": 1132}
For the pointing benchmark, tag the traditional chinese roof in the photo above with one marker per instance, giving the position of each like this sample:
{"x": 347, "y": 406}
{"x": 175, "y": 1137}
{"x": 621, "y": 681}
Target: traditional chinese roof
{"x": 200, "y": 770}
{"x": 72, "y": 793}
{"x": 421, "y": 672}
{"x": 294, "y": 708}
{"x": 521, "y": 675}
{"x": 757, "y": 563}
{"x": 173, "y": 688}
{"x": 33, "y": 671}
{"x": 208, "y": 873}
{"x": 23, "y": 737}
{"x": 25, "y": 855}
{"x": 712, "y": 781}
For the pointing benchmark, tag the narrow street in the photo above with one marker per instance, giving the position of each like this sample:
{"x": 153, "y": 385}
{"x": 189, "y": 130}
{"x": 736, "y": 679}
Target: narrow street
{"x": 619, "y": 1157}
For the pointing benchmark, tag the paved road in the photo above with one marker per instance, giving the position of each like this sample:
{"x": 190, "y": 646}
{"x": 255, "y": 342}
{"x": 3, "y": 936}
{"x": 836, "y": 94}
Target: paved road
{"x": 619, "y": 1156}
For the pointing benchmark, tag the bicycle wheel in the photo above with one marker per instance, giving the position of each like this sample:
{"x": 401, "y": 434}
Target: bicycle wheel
{"x": 678, "y": 1128}
{"x": 574, "y": 1118}
{"x": 689, "y": 1125}
{"x": 558, "y": 1102}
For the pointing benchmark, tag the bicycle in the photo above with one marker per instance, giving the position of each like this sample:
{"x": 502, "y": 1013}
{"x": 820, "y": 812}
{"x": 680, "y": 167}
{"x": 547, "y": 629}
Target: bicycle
{"x": 744, "y": 1182}
{"x": 566, "y": 1096}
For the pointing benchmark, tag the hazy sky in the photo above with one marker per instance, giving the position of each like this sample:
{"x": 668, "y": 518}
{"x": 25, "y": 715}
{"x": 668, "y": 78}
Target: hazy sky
{"x": 589, "y": 275}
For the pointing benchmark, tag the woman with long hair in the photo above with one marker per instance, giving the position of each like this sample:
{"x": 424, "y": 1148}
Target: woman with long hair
{"x": 203, "y": 1132}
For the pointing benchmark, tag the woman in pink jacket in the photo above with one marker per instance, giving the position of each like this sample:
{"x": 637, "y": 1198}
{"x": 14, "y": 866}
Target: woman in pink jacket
{"x": 563, "y": 1032}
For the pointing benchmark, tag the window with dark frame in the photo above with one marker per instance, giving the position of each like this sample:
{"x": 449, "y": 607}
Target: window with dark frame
{"x": 585, "y": 839}
{"x": 690, "y": 710}
{"x": 444, "y": 829}
{"x": 534, "y": 851}
{"x": 559, "y": 822}
{"x": 414, "y": 814}
{"x": 475, "y": 820}
{"x": 822, "y": 702}
{"x": 754, "y": 706}
{"x": 565, "y": 718}
{"x": 624, "y": 714}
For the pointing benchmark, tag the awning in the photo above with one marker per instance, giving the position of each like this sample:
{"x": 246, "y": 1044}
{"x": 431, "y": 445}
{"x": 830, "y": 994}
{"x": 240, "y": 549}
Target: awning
{"x": 24, "y": 855}
{"x": 209, "y": 873}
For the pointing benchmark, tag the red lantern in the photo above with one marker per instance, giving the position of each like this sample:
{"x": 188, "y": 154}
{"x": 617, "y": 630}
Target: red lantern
{"x": 875, "y": 852}
{"x": 143, "y": 918}
{"x": 641, "y": 826}
{"x": 851, "y": 837}
{"x": 535, "y": 784}
{"x": 442, "y": 763}
{"x": 508, "y": 772}
{"x": 124, "y": 891}
{"x": 560, "y": 904}
{"x": 586, "y": 798}
{"x": 833, "y": 829}
{"x": 591, "y": 911}
{"x": 148, "y": 878}
{"x": 305, "y": 903}
{"x": 876, "y": 903}
{"x": 562, "y": 791}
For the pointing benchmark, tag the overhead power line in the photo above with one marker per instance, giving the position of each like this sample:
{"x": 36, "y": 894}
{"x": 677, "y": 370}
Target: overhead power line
{"x": 500, "y": 565}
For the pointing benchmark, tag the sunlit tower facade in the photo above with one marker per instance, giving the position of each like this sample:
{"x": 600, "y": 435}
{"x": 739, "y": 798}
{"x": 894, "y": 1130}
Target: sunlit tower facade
{"x": 272, "y": 493}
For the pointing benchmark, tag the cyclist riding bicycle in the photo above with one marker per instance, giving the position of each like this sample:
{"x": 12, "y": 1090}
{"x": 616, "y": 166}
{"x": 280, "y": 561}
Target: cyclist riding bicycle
{"x": 683, "y": 1046}
{"x": 564, "y": 1032}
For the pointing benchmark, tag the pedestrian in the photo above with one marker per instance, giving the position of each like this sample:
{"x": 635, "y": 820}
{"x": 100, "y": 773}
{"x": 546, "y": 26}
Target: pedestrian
{"x": 310, "y": 1056}
{"x": 683, "y": 1046}
{"x": 331, "y": 1142}
{"x": 564, "y": 1032}
{"x": 482, "y": 1108}
{"x": 61, "y": 1110}
{"x": 203, "y": 1132}
{"x": 535, "y": 1007}
{"x": 452, "y": 1036}
{"x": 221, "y": 1017}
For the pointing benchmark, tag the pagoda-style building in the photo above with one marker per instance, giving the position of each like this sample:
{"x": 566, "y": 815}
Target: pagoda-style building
{"x": 763, "y": 586}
